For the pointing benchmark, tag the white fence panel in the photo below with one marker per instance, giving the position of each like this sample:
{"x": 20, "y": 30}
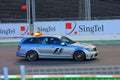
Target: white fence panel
{"x": 66, "y": 73}
{"x": 4, "y": 74}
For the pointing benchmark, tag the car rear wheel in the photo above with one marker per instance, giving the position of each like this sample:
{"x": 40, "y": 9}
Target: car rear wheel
{"x": 79, "y": 56}
{"x": 32, "y": 56}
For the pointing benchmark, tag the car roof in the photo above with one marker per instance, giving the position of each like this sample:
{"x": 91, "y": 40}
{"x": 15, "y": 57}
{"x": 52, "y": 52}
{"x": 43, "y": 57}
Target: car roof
{"x": 48, "y": 35}
{"x": 52, "y": 35}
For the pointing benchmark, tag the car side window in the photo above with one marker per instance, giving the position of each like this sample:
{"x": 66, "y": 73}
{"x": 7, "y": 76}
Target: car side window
{"x": 55, "y": 41}
{"x": 44, "y": 40}
{"x": 31, "y": 41}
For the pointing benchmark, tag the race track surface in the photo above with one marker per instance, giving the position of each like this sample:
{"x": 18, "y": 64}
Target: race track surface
{"x": 109, "y": 54}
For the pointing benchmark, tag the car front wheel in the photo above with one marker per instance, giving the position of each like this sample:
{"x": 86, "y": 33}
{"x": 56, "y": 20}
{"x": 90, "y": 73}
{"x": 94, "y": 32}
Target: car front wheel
{"x": 32, "y": 55}
{"x": 79, "y": 56}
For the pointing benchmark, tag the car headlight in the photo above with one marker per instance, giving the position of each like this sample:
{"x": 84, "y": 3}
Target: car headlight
{"x": 91, "y": 49}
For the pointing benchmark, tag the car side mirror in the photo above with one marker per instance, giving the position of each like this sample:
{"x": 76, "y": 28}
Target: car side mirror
{"x": 63, "y": 44}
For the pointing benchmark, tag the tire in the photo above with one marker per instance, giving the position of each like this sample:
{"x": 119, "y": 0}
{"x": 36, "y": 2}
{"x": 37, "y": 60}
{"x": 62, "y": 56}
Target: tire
{"x": 79, "y": 56}
{"x": 32, "y": 55}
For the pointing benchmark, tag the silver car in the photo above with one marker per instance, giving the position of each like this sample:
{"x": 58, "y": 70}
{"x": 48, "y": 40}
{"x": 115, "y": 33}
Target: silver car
{"x": 55, "y": 46}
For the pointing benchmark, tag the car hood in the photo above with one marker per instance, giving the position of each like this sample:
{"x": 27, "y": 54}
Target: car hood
{"x": 84, "y": 45}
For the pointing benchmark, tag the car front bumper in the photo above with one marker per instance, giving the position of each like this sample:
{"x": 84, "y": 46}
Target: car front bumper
{"x": 92, "y": 55}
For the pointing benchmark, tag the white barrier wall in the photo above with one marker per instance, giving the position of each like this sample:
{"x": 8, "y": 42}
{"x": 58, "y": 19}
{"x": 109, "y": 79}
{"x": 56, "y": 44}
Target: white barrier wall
{"x": 79, "y": 27}
{"x": 14, "y": 30}
{"x": 96, "y": 27}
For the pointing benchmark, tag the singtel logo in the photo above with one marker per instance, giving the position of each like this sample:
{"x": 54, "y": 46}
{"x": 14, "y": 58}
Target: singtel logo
{"x": 75, "y": 28}
{"x": 7, "y": 31}
{"x": 47, "y": 29}
{"x": 24, "y": 30}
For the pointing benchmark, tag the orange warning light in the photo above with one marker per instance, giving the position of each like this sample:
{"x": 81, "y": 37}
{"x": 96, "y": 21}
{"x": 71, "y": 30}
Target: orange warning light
{"x": 37, "y": 34}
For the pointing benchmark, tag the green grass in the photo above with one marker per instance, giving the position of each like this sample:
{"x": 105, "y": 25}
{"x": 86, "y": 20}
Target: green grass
{"x": 75, "y": 79}
{"x": 8, "y": 43}
{"x": 65, "y": 79}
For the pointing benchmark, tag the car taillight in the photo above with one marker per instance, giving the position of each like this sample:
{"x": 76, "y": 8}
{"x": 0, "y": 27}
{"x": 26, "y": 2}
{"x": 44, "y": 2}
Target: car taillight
{"x": 18, "y": 47}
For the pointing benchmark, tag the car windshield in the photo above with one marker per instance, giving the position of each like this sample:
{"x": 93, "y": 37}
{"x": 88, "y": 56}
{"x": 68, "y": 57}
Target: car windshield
{"x": 67, "y": 40}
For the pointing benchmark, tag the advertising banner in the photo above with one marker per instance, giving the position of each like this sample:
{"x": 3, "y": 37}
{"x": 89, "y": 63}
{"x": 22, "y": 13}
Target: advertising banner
{"x": 61, "y": 27}
{"x": 78, "y": 27}
{"x": 14, "y": 30}
{"x": 50, "y": 27}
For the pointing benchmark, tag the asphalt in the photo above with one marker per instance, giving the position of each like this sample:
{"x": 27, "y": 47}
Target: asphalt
{"x": 109, "y": 54}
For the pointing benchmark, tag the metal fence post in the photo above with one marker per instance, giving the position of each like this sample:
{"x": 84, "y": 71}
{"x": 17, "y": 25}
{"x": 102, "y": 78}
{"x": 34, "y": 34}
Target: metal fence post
{"x": 5, "y": 72}
{"x": 22, "y": 71}
{"x": 87, "y": 10}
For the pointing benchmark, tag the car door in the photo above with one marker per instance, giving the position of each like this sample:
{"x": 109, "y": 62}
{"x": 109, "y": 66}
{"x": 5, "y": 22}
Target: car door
{"x": 44, "y": 48}
{"x": 59, "y": 51}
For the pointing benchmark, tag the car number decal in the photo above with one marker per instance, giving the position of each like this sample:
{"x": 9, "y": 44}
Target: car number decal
{"x": 58, "y": 51}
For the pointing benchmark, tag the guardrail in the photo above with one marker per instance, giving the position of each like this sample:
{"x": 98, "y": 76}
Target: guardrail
{"x": 64, "y": 73}
{"x": 10, "y": 39}
{"x": 4, "y": 74}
